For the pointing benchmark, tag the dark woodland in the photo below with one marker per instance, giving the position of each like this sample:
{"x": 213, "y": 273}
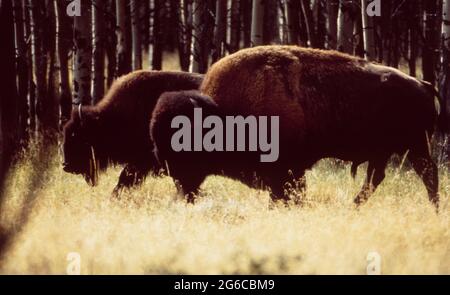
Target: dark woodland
{"x": 52, "y": 62}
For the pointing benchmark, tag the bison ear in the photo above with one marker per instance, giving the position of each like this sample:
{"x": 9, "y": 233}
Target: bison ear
{"x": 87, "y": 115}
{"x": 385, "y": 77}
{"x": 80, "y": 113}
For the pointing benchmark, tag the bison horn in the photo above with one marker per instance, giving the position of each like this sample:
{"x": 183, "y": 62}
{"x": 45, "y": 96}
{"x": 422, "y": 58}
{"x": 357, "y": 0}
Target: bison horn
{"x": 80, "y": 112}
{"x": 93, "y": 168}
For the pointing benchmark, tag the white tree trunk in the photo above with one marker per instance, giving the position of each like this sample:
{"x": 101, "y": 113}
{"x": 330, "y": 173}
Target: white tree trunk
{"x": 200, "y": 42}
{"x": 257, "y": 22}
{"x": 369, "y": 33}
{"x": 197, "y": 23}
{"x": 82, "y": 67}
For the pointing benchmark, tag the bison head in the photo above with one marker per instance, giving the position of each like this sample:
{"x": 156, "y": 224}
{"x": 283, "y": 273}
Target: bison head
{"x": 78, "y": 147}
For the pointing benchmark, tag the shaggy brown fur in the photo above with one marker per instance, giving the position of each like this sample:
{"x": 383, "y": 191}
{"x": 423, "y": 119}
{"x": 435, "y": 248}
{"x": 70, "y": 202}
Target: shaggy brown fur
{"x": 117, "y": 128}
{"x": 330, "y": 105}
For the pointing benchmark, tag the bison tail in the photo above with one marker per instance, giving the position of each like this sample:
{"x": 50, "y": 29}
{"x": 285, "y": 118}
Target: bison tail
{"x": 440, "y": 105}
{"x": 443, "y": 123}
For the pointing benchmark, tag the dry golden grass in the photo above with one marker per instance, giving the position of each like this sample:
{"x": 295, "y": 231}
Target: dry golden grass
{"x": 170, "y": 61}
{"x": 231, "y": 229}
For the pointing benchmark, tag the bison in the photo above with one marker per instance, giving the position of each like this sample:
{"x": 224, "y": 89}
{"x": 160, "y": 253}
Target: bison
{"x": 116, "y": 129}
{"x": 329, "y": 104}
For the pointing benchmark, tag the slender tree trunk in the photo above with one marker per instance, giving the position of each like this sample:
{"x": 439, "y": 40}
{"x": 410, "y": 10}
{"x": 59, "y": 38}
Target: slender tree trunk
{"x": 413, "y": 31}
{"x": 369, "y": 33}
{"x": 82, "y": 56}
{"x": 21, "y": 68}
{"x": 235, "y": 26}
{"x": 220, "y": 30}
{"x": 257, "y": 22}
{"x": 395, "y": 43}
{"x": 8, "y": 93}
{"x": 303, "y": 28}
{"x": 283, "y": 23}
{"x": 144, "y": 18}
{"x": 111, "y": 42}
{"x": 123, "y": 39}
{"x": 98, "y": 53}
{"x": 196, "y": 54}
{"x": 29, "y": 57}
{"x": 136, "y": 36}
{"x": 157, "y": 34}
{"x": 62, "y": 31}
{"x": 292, "y": 8}
{"x": 444, "y": 85}
{"x": 431, "y": 42}
{"x": 358, "y": 33}
{"x": 386, "y": 31}
{"x": 332, "y": 23}
{"x": 183, "y": 11}
{"x": 3, "y": 165}
{"x": 151, "y": 25}
{"x": 345, "y": 27}
{"x": 201, "y": 42}
{"x": 320, "y": 23}
{"x": 309, "y": 22}
{"x": 50, "y": 107}
{"x": 39, "y": 59}
{"x": 271, "y": 26}
{"x": 246, "y": 13}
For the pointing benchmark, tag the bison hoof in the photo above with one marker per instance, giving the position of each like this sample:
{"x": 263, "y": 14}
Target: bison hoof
{"x": 115, "y": 195}
{"x": 359, "y": 200}
{"x": 190, "y": 198}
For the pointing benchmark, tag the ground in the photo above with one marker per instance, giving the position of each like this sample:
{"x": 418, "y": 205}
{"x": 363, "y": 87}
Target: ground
{"x": 231, "y": 229}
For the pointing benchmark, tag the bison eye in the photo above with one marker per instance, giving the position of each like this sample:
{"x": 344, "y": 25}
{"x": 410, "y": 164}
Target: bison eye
{"x": 73, "y": 134}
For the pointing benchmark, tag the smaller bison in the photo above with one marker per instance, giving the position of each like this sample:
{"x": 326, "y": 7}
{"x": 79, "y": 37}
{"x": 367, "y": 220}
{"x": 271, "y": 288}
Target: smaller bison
{"x": 116, "y": 130}
{"x": 329, "y": 104}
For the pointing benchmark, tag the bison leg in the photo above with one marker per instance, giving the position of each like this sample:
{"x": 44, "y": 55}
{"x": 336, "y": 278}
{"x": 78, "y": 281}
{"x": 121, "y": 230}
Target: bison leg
{"x": 375, "y": 175}
{"x": 428, "y": 171}
{"x": 131, "y": 175}
{"x": 189, "y": 186}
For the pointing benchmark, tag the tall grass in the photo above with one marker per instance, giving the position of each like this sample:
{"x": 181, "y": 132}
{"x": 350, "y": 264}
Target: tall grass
{"x": 231, "y": 229}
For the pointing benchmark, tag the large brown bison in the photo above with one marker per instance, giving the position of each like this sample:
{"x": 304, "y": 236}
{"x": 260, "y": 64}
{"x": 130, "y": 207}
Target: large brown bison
{"x": 329, "y": 105}
{"x": 116, "y": 130}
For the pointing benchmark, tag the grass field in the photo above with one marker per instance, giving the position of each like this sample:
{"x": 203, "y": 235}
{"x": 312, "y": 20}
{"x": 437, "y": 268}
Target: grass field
{"x": 231, "y": 229}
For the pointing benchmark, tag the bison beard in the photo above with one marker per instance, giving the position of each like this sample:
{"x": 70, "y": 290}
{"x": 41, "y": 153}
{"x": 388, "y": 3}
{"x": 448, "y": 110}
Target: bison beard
{"x": 330, "y": 105}
{"x": 116, "y": 130}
